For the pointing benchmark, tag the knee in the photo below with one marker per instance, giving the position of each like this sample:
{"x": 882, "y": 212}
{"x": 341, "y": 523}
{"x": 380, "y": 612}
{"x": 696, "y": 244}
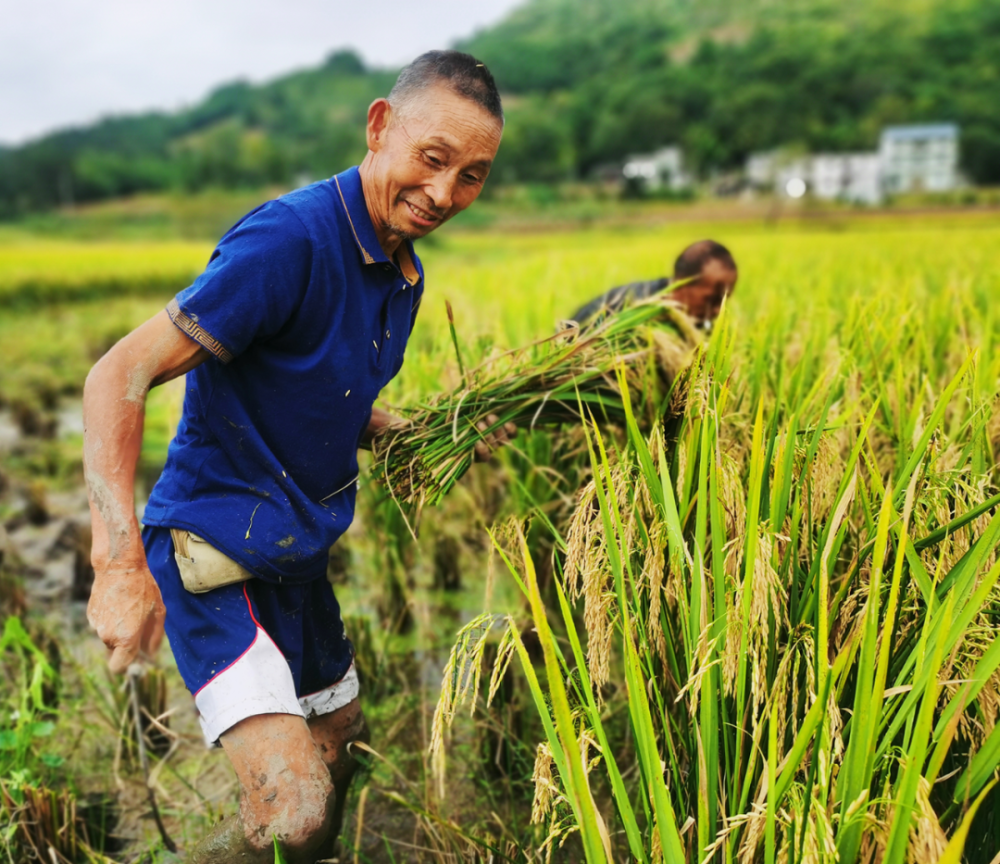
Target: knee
{"x": 299, "y": 815}
{"x": 304, "y": 827}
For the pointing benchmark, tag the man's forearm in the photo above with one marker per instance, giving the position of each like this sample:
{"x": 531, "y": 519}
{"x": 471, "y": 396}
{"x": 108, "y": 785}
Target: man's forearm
{"x": 114, "y": 406}
{"x": 113, "y": 413}
{"x": 125, "y": 606}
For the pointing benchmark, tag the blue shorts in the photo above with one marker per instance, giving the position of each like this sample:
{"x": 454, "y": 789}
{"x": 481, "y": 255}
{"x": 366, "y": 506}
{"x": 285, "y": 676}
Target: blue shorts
{"x": 254, "y": 647}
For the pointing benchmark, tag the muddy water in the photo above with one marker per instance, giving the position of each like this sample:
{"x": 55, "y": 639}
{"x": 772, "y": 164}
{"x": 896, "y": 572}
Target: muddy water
{"x": 69, "y": 423}
{"x": 48, "y": 531}
{"x": 10, "y": 434}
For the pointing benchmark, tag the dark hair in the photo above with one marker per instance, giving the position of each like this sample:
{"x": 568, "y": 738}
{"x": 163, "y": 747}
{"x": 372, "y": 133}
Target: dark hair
{"x": 691, "y": 261}
{"x": 463, "y": 73}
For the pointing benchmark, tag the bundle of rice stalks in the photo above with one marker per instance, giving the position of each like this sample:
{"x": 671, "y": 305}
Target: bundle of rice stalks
{"x": 543, "y": 383}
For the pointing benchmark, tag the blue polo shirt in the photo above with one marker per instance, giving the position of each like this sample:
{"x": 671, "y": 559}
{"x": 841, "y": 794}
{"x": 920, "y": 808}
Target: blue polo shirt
{"x": 306, "y": 320}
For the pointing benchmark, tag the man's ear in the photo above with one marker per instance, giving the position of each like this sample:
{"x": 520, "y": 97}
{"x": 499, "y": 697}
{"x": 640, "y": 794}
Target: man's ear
{"x": 378, "y": 123}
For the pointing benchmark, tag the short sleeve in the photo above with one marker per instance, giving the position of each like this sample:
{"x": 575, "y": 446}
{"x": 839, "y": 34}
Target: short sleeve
{"x": 254, "y": 283}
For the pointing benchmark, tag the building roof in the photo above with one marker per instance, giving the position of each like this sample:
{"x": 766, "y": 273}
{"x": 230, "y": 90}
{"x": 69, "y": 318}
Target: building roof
{"x": 921, "y": 131}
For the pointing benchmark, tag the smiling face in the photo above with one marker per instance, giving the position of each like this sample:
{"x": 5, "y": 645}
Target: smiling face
{"x": 425, "y": 163}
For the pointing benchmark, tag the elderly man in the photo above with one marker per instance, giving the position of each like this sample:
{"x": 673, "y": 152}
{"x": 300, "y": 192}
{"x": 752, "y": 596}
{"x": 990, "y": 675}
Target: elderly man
{"x": 707, "y": 275}
{"x": 300, "y": 319}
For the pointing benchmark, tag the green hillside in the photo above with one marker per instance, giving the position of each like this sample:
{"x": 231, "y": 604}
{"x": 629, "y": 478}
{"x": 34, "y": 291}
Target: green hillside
{"x": 587, "y": 82}
{"x": 597, "y": 79}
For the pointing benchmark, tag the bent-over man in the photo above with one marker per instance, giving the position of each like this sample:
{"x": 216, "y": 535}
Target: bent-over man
{"x": 300, "y": 319}
{"x": 707, "y": 271}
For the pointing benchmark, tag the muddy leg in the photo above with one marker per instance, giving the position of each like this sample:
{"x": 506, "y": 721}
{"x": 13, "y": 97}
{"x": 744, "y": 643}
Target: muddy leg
{"x": 332, "y": 733}
{"x": 286, "y": 791}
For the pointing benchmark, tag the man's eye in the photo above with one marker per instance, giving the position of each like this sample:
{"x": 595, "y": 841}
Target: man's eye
{"x": 432, "y": 159}
{"x": 471, "y": 178}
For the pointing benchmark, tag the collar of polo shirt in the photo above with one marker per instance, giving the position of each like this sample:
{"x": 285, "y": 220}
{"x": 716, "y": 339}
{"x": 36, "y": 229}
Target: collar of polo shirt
{"x": 353, "y": 198}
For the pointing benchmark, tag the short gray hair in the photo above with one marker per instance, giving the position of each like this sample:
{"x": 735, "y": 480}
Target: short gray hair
{"x": 462, "y": 73}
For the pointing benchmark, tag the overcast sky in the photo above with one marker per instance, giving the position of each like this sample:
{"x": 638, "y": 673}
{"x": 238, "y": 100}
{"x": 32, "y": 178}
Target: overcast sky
{"x": 67, "y": 62}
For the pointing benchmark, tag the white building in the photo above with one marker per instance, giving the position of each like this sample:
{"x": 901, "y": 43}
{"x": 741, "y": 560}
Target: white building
{"x": 779, "y": 171}
{"x": 761, "y": 169}
{"x": 909, "y": 159}
{"x": 854, "y": 177}
{"x": 663, "y": 169}
{"x": 788, "y": 172}
{"x": 919, "y": 158}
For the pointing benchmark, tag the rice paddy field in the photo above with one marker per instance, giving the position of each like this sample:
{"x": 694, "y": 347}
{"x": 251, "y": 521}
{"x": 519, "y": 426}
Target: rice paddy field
{"x": 757, "y": 624}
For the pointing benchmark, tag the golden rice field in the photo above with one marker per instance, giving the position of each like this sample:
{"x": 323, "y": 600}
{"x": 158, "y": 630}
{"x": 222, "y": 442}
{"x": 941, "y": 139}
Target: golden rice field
{"x": 763, "y": 630}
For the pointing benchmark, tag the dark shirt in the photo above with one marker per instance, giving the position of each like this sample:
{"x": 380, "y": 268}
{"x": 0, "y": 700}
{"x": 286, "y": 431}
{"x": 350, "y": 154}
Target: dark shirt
{"x": 306, "y": 320}
{"x": 618, "y": 298}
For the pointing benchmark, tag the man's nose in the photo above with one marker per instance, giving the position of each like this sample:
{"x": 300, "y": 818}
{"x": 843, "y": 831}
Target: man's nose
{"x": 441, "y": 190}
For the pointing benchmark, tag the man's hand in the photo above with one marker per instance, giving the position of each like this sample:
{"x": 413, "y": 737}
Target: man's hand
{"x": 127, "y": 612}
{"x": 380, "y": 421}
{"x": 492, "y": 441}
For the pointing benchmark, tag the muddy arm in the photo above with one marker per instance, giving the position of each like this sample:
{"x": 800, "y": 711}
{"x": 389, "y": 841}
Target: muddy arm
{"x": 125, "y": 606}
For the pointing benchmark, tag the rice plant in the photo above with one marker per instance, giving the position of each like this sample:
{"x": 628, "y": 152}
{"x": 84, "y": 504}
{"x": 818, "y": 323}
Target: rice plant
{"x": 795, "y": 580}
{"x": 40, "y": 819}
{"x": 36, "y": 273}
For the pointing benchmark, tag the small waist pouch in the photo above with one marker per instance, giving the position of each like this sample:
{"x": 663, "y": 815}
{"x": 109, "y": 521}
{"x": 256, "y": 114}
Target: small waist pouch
{"x": 202, "y": 566}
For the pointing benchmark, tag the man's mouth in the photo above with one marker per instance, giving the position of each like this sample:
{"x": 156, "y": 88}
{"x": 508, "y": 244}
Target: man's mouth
{"x": 420, "y": 216}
